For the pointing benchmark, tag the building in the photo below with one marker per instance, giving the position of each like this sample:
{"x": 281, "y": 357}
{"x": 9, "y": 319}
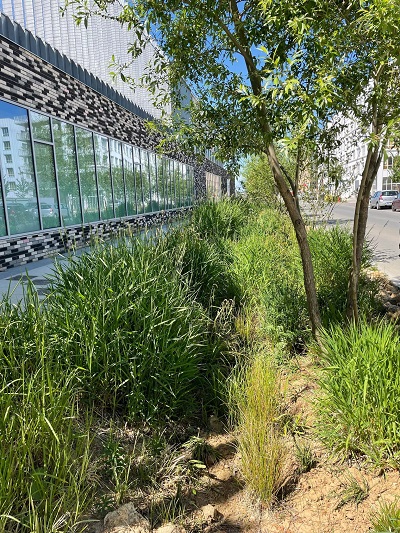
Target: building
{"x": 76, "y": 159}
{"x": 351, "y": 152}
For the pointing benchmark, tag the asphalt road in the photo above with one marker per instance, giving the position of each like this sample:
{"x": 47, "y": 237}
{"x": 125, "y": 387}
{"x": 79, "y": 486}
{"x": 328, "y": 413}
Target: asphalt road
{"x": 382, "y": 230}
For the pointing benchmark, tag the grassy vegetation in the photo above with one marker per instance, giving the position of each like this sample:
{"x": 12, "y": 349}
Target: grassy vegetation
{"x": 360, "y": 412}
{"x": 152, "y": 330}
{"x": 387, "y": 518}
{"x": 255, "y": 399}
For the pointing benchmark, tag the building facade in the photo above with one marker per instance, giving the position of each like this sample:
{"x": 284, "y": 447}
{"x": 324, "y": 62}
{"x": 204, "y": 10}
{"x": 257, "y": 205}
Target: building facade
{"x": 76, "y": 159}
{"x": 352, "y": 152}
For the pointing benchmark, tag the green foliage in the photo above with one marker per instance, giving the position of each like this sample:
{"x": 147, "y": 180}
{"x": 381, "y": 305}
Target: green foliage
{"x": 359, "y": 408}
{"x": 387, "y": 518}
{"x": 331, "y": 252}
{"x": 268, "y": 266}
{"x": 44, "y": 438}
{"x": 258, "y": 181}
{"x": 223, "y": 219}
{"x": 304, "y": 457}
{"x": 122, "y": 316}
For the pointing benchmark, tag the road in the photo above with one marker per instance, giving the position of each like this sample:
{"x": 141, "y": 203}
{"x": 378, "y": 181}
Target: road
{"x": 382, "y": 230}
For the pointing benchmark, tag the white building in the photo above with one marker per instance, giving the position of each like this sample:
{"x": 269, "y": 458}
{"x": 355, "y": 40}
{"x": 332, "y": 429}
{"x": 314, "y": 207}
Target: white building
{"x": 352, "y": 152}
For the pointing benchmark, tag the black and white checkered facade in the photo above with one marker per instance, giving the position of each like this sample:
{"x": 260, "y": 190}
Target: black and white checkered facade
{"x": 54, "y": 86}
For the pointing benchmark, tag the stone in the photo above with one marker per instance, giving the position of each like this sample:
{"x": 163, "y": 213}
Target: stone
{"x": 126, "y": 519}
{"x": 168, "y": 528}
{"x": 211, "y": 514}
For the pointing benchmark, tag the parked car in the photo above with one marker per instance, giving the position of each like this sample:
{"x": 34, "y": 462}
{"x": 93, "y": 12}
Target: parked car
{"x": 382, "y": 199}
{"x": 396, "y": 203}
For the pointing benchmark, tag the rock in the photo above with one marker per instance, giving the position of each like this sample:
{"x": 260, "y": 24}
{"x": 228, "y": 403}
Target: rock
{"x": 168, "y": 528}
{"x": 126, "y": 519}
{"x": 222, "y": 474}
{"x": 211, "y": 514}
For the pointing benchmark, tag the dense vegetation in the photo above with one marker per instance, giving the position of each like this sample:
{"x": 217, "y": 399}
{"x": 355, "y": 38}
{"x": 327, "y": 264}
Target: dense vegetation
{"x": 177, "y": 327}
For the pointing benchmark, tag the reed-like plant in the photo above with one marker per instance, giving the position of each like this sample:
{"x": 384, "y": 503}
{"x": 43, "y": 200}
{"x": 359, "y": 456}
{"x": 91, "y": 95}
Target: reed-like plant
{"x": 255, "y": 399}
{"x": 44, "y": 438}
{"x": 359, "y": 408}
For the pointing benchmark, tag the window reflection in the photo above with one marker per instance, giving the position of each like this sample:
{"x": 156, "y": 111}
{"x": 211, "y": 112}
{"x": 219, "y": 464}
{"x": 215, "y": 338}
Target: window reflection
{"x": 67, "y": 172}
{"x": 46, "y": 178}
{"x": 129, "y": 176}
{"x": 87, "y": 175}
{"x": 138, "y": 180}
{"x": 41, "y": 130}
{"x": 104, "y": 176}
{"x": 155, "y": 204}
{"x": 77, "y": 170}
{"x": 144, "y": 158}
{"x": 19, "y": 183}
{"x": 118, "y": 178}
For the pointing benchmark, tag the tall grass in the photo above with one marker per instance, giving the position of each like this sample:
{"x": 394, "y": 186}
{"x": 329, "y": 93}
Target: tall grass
{"x": 223, "y": 219}
{"x": 332, "y": 253}
{"x": 359, "y": 409}
{"x": 44, "y": 438}
{"x": 255, "y": 399}
{"x": 123, "y": 318}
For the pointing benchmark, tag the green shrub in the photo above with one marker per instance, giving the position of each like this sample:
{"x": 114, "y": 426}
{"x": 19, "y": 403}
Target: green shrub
{"x": 332, "y": 256}
{"x": 205, "y": 266}
{"x": 268, "y": 267}
{"x": 44, "y": 438}
{"x": 359, "y": 409}
{"x": 223, "y": 219}
{"x": 123, "y": 318}
{"x": 387, "y": 518}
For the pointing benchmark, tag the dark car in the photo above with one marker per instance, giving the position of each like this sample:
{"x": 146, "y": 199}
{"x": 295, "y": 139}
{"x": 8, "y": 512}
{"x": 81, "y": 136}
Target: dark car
{"x": 382, "y": 199}
{"x": 396, "y": 203}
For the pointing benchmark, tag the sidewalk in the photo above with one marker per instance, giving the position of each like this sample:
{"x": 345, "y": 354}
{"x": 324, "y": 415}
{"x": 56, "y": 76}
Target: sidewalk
{"x": 14, "y": 281}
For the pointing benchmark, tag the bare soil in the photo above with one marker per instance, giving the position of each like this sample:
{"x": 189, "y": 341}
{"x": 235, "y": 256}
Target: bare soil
{"x": 315, "y": 501}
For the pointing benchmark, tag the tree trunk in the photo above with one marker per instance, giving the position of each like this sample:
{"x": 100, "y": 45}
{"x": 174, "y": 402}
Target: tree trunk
{"x": 371, "y": 167}
{"x": 302, "y": 239}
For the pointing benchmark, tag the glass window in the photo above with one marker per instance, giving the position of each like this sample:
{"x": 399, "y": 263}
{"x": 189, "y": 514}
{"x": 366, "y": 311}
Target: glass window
{"x": 67, "y": 173}
{"x": 178, "y": 182}
{"x": 118, "y": 178}
{"x": 87, "y": 175}
{"x": 138, "y": 180}
{"x": 192, "y": 191}
{"x": 153, "y": 182}
{"x": 144, "y": 159}
{"x": 7, "y": 145}
{"x": 8, "y": 158}
{"x": 129, "y": 176}
{"x": 5, "y": 132}
{"x": 104, "y": 176}
{"x": 161, "y": 180}
{"x": 40, "y": 127}
{"x": 171, "y": 184}
{"x": 10, "y": 172}
{"x": 183, "y": 186}
{"x": 21, "y": 194}
{"x": 46, "y": 179}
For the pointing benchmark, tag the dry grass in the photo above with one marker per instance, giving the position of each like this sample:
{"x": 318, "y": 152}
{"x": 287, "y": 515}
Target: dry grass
{"x": 256, "y": 394}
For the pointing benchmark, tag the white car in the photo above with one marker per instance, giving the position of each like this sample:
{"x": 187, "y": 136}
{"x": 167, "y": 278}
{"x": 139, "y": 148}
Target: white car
{"x": 382, "y": 199}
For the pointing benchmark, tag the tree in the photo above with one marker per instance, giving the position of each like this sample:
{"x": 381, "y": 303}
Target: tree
{"x": 301, "y": 62}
